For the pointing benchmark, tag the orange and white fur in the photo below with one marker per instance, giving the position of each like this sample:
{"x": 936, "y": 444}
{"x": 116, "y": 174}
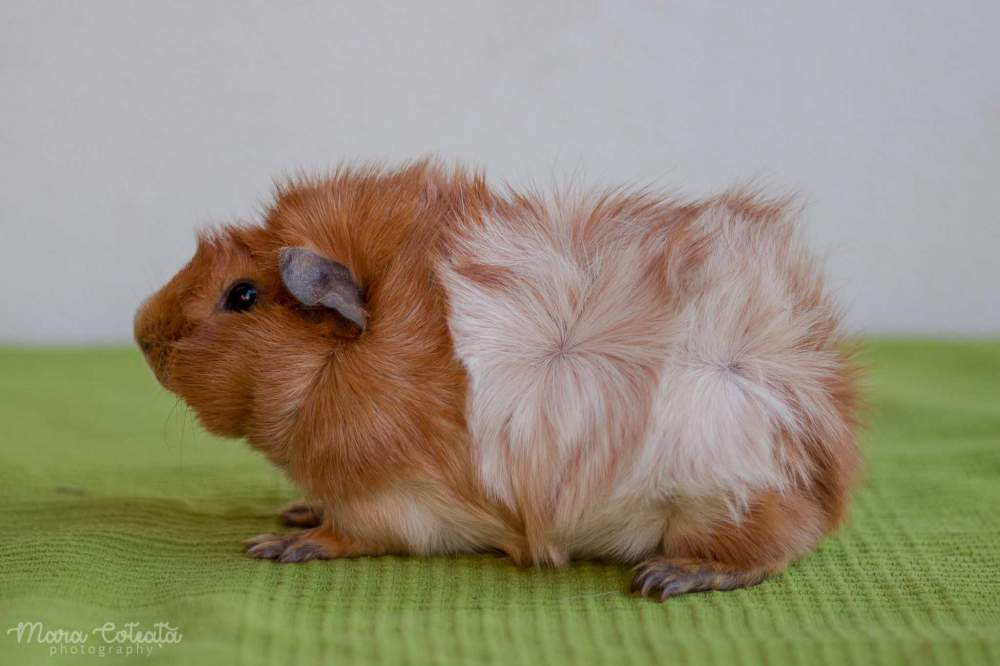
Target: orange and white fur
{"x": 614, "y": 376}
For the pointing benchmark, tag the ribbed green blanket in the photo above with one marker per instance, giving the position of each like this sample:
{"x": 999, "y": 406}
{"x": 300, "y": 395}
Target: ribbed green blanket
{"x": 114, "y": 508}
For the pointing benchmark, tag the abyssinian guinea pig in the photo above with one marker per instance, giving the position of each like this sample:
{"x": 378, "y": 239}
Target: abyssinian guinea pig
{"x": 443, "y": 367}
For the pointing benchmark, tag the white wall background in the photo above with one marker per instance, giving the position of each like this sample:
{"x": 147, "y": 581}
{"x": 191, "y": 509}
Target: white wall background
{"x": 125, "y": 125}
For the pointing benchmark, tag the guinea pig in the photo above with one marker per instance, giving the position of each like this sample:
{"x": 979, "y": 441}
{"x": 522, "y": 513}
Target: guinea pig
{"x": 444, "y": 367}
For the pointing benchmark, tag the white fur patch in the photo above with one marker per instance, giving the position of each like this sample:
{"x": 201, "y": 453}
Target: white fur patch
{"x": 736, "y": 364}
{"x": 589, "y": 385}
{"x": 561, "y": 357}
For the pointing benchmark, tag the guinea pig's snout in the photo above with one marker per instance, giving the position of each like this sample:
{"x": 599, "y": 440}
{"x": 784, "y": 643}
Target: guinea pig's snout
{"x": 151, "y": 335}
{"x": 143, "y": 329}
{"x": 145, "y": 344}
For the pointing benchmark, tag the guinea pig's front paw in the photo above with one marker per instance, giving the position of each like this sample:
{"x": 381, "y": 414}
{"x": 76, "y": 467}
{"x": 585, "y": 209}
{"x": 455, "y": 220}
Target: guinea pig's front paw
{"x": 295, "y": 547}
{"x": 301, "y": 513}
{"x": 318, "y": 543}
{"x": 284, "y": 548}
{"x": 662, "y": 577}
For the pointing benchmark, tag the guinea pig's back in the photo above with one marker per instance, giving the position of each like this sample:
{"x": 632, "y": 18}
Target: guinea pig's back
{"x": 628, "y": 349}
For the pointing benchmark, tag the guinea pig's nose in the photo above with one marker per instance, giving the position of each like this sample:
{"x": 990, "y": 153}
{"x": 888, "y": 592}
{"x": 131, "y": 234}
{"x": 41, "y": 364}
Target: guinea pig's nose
{"x": 147, "y": 344}
{"x": 144, "y": 329}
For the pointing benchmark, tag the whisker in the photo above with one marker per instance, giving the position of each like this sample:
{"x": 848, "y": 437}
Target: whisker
{"x": 185, "y": 414}
{"x": 166, "y": 420}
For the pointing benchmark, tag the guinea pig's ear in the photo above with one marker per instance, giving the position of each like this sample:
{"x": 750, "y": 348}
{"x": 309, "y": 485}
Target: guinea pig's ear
{"x": 317, "y": 281}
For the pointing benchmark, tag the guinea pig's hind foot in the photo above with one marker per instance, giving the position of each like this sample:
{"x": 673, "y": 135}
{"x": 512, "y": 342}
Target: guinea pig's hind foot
{"x": 317, "y": 543}
{"x": 663, "y": 577}
{"x": 301, "y": 513}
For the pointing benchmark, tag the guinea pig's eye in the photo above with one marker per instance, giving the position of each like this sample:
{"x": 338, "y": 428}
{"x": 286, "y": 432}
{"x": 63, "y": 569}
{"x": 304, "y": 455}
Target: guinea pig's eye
{"x": 241, "y": 297}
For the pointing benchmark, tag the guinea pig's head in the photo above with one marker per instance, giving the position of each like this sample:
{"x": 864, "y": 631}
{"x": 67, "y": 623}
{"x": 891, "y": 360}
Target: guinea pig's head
{"x": 239, "y": 329}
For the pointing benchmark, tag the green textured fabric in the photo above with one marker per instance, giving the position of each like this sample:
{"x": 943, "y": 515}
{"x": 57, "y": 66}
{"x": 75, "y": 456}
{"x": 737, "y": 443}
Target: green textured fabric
{"x": 115, "y": 508}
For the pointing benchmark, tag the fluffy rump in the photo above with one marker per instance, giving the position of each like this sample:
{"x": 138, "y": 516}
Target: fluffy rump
{"x": 626, "y": 353}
